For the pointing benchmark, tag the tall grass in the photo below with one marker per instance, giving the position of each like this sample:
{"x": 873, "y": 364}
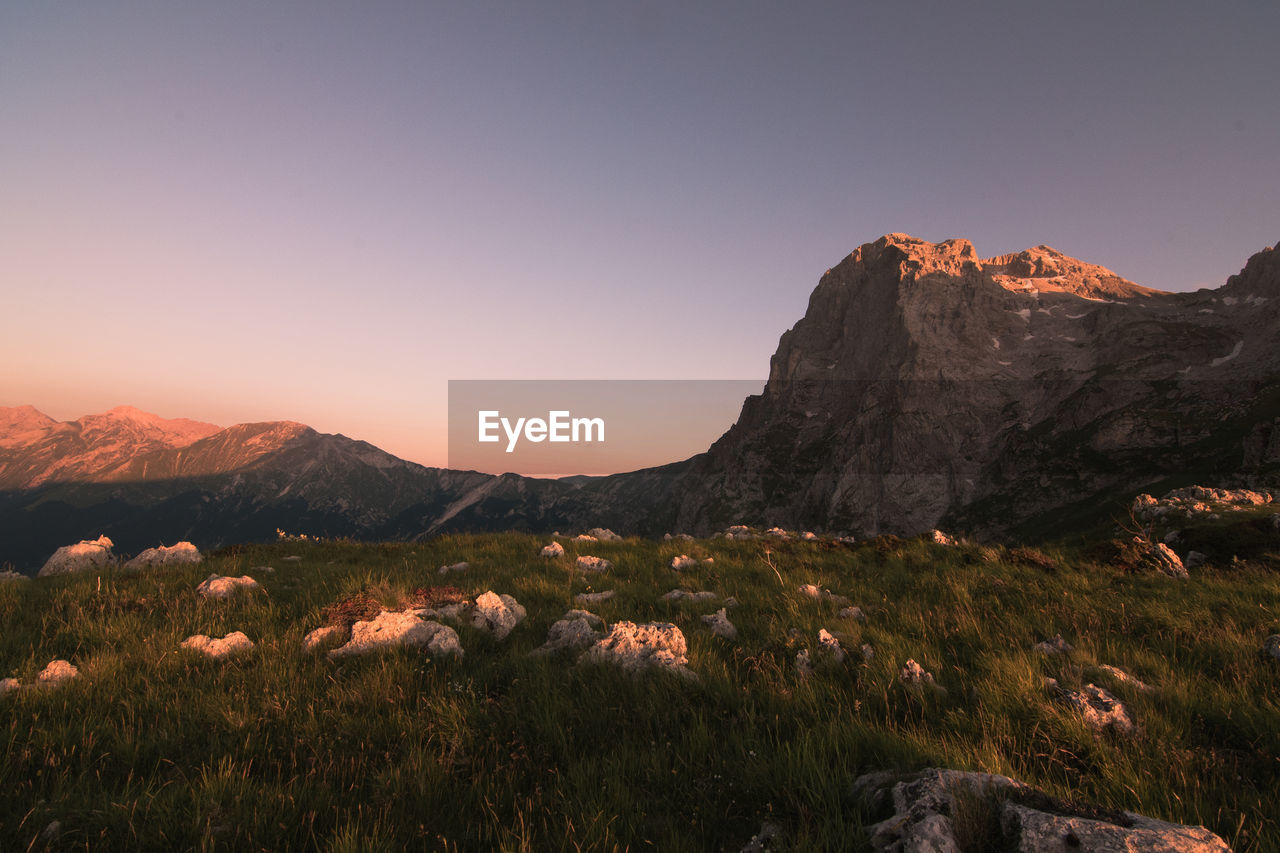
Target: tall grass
{"x": 156, "y": 748}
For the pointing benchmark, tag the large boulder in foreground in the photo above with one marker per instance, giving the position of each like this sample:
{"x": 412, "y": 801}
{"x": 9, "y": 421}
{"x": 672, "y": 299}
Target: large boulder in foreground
{"x": 949, "y": 810}
{"x": 81, "y": 557}
{"x": 182, "y": 554}
{"x": 636, "y": 647}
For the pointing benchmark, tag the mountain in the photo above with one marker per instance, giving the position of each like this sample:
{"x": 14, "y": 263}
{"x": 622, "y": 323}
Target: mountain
{"x": 926, "y": 386}
{"x": 1019, "y": 395}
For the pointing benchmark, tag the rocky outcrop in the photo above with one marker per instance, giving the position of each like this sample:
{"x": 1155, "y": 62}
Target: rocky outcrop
{"x": 949, "y": 810}
{"x": 593, "y": 564}
{"x": 218, "y": 648}
{"x": 390, "y": 629}
{"x": 182, "y": 554}
{"x": 83, "y": 556}
{"x": 927, "y": 386}
{"x": 496, "y": 614}
{"x": 658, "y": 645}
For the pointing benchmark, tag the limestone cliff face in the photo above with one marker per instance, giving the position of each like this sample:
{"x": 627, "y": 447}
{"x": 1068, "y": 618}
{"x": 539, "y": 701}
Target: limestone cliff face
{"x": 925, "y": 385}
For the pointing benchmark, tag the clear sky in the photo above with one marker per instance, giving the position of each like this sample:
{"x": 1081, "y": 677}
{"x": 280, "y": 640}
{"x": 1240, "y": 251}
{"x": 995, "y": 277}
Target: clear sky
{"x": 324, "y": 211}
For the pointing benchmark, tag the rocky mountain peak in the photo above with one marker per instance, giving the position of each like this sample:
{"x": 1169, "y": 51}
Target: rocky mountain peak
{"x": 1046, "y": 269}
{"x": 1260, "y": 276}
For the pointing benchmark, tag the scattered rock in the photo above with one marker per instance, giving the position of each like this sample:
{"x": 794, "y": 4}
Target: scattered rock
{"x": 555, "y": 549}
{"x": 9, "y": 684}
{"x": 684, "y": 595}
{"x": 83, "y": 556}
{"x": 720, "y": 624}
{"x": 812, "y": 592}
{"x": 232, "y": 644}
{"x": 496, "y": 614}
{"x": 604, "y": 534}
{"x": 594, "y": 597}
{"x": 933, "y": 808}
{"x": 1099, "y": 708}
{"x": 57, "y": 672}
{"x": 1055, "y": 645}
{"x": 1140, "y": 554}
{"x": 594, "y": 564}
{"x": 583, "y": 537}
{"x": 216, "y": 586}
{"x": 390, "y": 629}
{"x": 854, "y": 613}
{"x": 939, "y": 538}
{"x": 684, "y": 561}
{"x": 830, "y": 645}
{"x": 320, "y": 636}
{"x": 740, "y": 532}
{"x": 182, "y": 554}
{"x": 915, "y": 676}
{"x": 634, "y": 647}
{"x": 575, "y": 630}
{"x": 456, "y": 567}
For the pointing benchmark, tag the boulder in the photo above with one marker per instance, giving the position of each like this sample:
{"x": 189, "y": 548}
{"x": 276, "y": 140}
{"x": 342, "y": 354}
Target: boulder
{"x": 604, "y": 534}
{"x": 633, "y": 647}
{"x": 390, "y": 629}
{"x": 937, "y": 537}
{"x": 83, "y": 556}
{"x": 593, "y": 564}
{"x": 576, "y": 630}
{"x": 938, "y": 810}
{"x": 813, "y": 593}
{"x": 182, "y": 554}
{"x": 830, "y": 646}
{"x": 682, "y": 562}
{"x": 216, "y": 586}
{"x": 683, "y": 595}
{"x": 232, "y": 644}
{"x": 1272, "y": 646}
{"x": 583, "y": 537}
{"x": 320, "y": 636}
{"x": 594, "y": 597}
{"x": 496, "y": 614}
{"x": 456, "y": 567}
{"x": 916, "y": 677}
{"x": 1099, "y": 708}
{"x": 854, "y": 613}
{"x": 720, "y": 624}
{"x": 555, "y": 549}
{"x": 57, "y": 672}
{"x": 1195, "y": 559}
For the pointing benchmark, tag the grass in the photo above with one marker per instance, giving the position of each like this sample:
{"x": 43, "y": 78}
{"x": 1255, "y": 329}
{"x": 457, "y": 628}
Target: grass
{"x": 156, "y": 748}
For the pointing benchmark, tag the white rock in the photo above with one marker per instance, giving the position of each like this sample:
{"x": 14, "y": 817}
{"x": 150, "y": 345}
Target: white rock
{"x": 231, "y": 644}
{"x": 216, "y": 586}
{"x": 1125, "y": 678}
{"x": 8, "y": 685}
{"x": 940, "y": 538}
{"x": 854, "y": 613}
{"x": 184, "y": 553}
{"x": 808, "y": 536}
{"x": 496, "y": 614}
{"x": 684, "y": 595}
{"x": 593, "y": 597}
{"x": 684, "y": 561}
{"x": 456, "y": 567}
{"x": 634, "y": 647}
{"x": 555, "y": 549}
{"x": 720, "y": 624}
{"x": 1097, "y": 707}
{"x": 916, "y": 676}
{"x": 809, "y": 590}
{"x": 390, "y": 629}
{"x": 56, "y": 673}
{"x": 804, "y": 663}
{"x": 830, "y": 645}
{"x": 812, "y": 592}
{"x": 575, "y": 631}
{"x": 583, "y": 537}
{"x": 320, "y": 636}
{"x": 593, "y": 564}
{"x": 604, "y": 534}
{"x": 83, "y": 556}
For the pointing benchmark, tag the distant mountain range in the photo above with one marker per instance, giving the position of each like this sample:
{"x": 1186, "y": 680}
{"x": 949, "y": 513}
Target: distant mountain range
{"x": 924, "y": 387}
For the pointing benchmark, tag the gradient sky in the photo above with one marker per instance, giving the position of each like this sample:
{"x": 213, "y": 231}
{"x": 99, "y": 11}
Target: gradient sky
{"x": 324, "y": 211}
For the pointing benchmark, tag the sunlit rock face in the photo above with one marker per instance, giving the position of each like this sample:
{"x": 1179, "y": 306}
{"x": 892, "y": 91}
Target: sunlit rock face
{"x": 928, "y": 387}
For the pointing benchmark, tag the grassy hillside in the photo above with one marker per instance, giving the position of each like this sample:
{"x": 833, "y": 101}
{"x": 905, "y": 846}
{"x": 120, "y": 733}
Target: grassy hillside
{"x": 154, "y": 747}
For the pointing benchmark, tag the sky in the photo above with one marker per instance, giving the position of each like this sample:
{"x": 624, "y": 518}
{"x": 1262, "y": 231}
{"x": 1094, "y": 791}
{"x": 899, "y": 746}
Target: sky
{"x": 324, "y": 211}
